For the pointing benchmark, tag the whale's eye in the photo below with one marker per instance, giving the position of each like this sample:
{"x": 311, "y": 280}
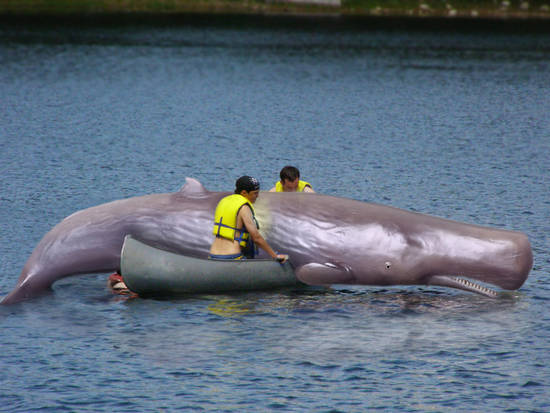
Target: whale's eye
{"x": 388, "y": 265}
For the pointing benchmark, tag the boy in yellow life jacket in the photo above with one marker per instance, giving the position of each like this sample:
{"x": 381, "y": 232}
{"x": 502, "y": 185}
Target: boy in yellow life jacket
{"x": 235, "y": 225}
{"x": 290, "y": 181}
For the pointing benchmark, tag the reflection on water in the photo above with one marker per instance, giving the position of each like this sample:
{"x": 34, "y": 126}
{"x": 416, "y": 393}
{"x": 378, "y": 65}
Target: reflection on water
{"x": 225, "y": 307}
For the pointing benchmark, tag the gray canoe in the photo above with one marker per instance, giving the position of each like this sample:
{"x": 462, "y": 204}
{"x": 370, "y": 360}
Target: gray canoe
{"x": 149, "y": 271}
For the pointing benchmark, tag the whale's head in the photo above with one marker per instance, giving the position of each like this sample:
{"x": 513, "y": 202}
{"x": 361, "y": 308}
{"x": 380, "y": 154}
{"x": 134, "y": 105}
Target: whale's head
{"x": 432, "y": 251}
{"x": 350, "y": 242}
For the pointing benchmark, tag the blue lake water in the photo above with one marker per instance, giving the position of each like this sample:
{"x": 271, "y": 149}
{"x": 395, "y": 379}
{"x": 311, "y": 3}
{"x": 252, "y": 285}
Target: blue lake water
{"x": 450, "y": 124}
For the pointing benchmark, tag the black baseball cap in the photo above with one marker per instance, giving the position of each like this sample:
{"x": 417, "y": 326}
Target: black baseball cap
{"x": 246, "y": 183}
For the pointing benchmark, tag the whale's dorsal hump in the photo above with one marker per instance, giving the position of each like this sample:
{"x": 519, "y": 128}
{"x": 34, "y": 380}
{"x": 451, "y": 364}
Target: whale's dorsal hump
{"x": 192, "y": 187}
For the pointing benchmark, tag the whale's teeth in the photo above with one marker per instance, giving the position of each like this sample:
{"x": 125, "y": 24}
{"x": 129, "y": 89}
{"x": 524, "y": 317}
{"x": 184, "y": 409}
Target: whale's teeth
{"x": 473, "y": 286}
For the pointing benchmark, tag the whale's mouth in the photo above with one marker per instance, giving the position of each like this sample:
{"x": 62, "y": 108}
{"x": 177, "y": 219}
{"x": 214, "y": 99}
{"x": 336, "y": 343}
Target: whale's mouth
{"x": 462, "y": 284}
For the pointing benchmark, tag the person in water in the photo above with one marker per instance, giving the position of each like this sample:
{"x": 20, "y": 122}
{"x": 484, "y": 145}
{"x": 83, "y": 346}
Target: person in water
{"x": 235, "y": 226}
{"x": 290, "y": 181}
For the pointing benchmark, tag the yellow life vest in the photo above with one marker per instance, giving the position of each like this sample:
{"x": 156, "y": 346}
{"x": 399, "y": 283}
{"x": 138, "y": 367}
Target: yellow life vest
{"x": 301, "y": 186}
{"x": 225, "y": 219}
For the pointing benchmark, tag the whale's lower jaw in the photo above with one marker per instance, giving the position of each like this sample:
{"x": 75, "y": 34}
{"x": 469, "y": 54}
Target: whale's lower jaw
{"x": 461, "y": 284}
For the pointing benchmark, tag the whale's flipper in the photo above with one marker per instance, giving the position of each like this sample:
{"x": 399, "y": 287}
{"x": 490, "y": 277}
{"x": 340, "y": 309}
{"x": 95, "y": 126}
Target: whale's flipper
{"x": 324, "y": 274}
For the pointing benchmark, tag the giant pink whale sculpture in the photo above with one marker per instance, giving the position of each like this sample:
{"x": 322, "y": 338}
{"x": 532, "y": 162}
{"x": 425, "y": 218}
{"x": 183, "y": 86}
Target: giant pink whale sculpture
{"x": 330, "y": 240}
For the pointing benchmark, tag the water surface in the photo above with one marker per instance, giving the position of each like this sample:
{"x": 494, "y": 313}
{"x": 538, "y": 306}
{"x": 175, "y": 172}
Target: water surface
{"x": 449, "y": 124}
